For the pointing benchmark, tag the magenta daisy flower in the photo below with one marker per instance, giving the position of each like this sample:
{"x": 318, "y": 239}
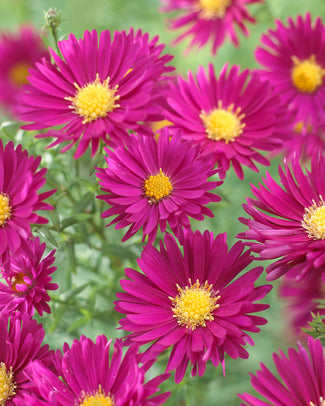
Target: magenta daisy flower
{"x": 301, "y": 299}
{"x": 20, "y": 180}
{"x": 151, "y": 183}
{"x": 234, "y": 116}
{"x": 190, "y": 302}
{"x": 87, "y": 376}
{"x": 27, "y": 276}
{"x": 306, "y": 141}
{"x": 301, "y": 379}
{"x": 98, "y": 90}
{"x": 18, "y": 53}
{"x": 287, "y": 223}
{"x": 210, "y": 20}
{"x": 21, "y": 342}
{"x": 294, "y": 60}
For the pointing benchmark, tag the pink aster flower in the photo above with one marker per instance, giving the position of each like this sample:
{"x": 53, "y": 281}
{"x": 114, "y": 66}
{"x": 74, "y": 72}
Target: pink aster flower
{"x": 21, "y": 343}
{"x": 98, "y": 90}
{"x": 28, "y": 279}
{"x": 305, "y": 141}
{"x": 301, "y": 379}
{"x": 151, "y": 183}
{"x": 234, "y": 116}
{"x": 20, "y": 180}
{"x": 18, "y": 53}
{"x": 287, "y": 223}
{"x": 189, "y": 301}
{"x": 87, "y": 375}
{"x": 301, "y": 299}
{"x": 294, "y": 60}
{"x": 210, "y": 20}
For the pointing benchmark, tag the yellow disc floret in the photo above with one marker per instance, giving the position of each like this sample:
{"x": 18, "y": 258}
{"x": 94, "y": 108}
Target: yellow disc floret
{"x": 157, "y": 187}
{"x": 18, "y": 74}
{"x": 223, "y": 124}
{"x": 97, "y": 399}
{"x": 210, "y": 9}
{"x": 5, "y": 209}
{"x": 94, "y": 100}
{"x": 7, "y": 384}
{"x": 194, "y": 305}
{"x": 314, "y": 220}
{"x": 321, "y": 402}
{"x": 307, "y": 75}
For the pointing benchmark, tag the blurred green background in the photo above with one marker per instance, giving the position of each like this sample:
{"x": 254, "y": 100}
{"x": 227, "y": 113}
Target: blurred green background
{"x": 90, "y": 266}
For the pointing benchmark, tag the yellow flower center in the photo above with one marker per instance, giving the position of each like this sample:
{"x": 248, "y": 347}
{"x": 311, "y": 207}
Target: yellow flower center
{"x": 7, "y": 384}
{"x": 5, "y": 209}
{"x": 314, "y": 220}
{"x": 194, "y": 305}
{"x": 321, "y": 402}
{"x": 94, "y": 100}
{"x": 18, "y": 73}
{"x": 18, "y": 279}
{"x": 210, "y": 9}
{"x": 97, "y": 399}
{"x": 307, "y": 75}
{"x": 223, "y": 124}
{"x": 157, "y": 187}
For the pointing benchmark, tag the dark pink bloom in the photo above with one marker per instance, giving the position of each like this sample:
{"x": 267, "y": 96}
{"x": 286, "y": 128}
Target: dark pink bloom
{"x": 205, "y": 21}
{"x": 306, "y": 141}
{"x": 190, "y": 301}
{"x": 293, "y": 58}
{"x": 287, "y": 223}
{"x": 27, "y": 276}
{"x": 301, "y": 299}
{"x": 301, "y": 381}
{"x": 234, "y": 116}
{"x": 152, "y": 184}
{"x": 18, "y": 53}
{"x": 21, "y": 343}
{"x": 101, "y": 88}
{"x": 20, "y": 180}
{"x": 86, "y": 374}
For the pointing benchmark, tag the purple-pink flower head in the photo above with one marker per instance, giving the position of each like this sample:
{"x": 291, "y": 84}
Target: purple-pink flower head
{"x": 287, "y": 221}
{"x": 188, "y": 300}
{"x": 21, "y": 342}
{"x": 86, "y": 375}
{"x": 18, "y": 53}
{"x": 234, "y": 116}
{"x": 301, "y": 299}
{"x": 20, "y": 180}
{"x": 27, "y": 277}
{"x": 301, "y": 380}
{"x": 210, "y": 20}
{"x": 293, "y": 58}
{"x": 97, "y": 91}
{"x": 153, "y": 184}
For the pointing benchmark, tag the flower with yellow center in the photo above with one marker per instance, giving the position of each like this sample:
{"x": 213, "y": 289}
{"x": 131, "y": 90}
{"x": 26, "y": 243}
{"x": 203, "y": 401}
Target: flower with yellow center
{"x": 314, "y": 220}
{"x": 7, "y": 384}
{"x": 94, "y": 100}
{"x": 5, "y": 209}
{"x": 194, "y": 305}
{"x": 210, "y": 9}
{"x": 307, "y": 75}
{"x": 97, "y": 399}
{"x": 223, "y": 124}
{"x": 157, "y": 187}
{"x": 18, "y": 74}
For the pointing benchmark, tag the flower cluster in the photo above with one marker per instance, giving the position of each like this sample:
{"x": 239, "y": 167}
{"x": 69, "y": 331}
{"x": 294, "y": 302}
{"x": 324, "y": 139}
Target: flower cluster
{"x": 161, "y": 146}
